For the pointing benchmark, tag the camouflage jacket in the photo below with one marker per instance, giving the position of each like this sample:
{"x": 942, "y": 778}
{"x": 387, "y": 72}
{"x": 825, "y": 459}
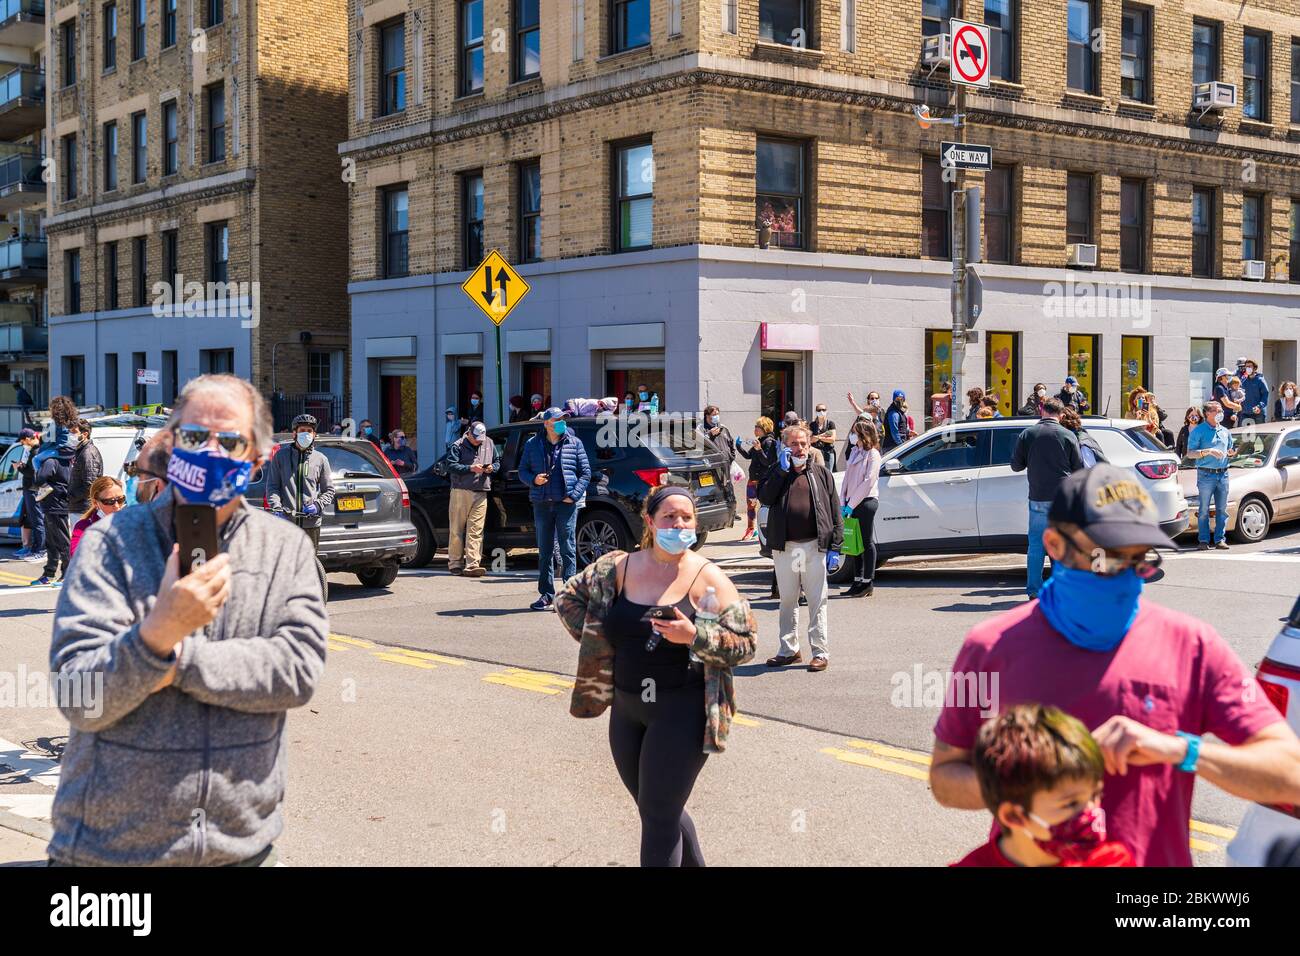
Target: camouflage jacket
{"x": 582, "y": 605}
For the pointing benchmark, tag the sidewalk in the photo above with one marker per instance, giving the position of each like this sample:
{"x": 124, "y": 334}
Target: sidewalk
{"x": 22, "y": 842}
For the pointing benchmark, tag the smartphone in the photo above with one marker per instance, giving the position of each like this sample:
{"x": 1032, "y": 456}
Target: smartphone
{"x": 196, "y": 533}
{"x": 663, "y": 612}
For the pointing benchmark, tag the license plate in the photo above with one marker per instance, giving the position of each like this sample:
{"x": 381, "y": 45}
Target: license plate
{"x": 705, "y": 480}
{"x": 350, "y": 503}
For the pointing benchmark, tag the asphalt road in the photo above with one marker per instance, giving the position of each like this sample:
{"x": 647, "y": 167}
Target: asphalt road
{"x": 441, "y": 736}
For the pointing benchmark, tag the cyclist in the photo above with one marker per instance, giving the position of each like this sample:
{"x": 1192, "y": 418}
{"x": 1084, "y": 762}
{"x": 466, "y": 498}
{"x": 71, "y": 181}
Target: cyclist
{"x": 298, "y": 483}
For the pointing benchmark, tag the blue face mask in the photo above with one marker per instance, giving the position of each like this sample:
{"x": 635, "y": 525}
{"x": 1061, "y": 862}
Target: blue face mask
{"x": 561, "y": 428}
{"x": 206, "y": 478}
{"x": 474, "y": 402}
{"x": 644, "y": 396}
{"x": 1091, "y": 611}
{"x": 674, "y": 540}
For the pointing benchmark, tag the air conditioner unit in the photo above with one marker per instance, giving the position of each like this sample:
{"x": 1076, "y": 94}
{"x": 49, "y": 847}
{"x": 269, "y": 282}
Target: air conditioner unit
{"x": 936, "y": 51}
{"x": 1214, "y": 96}
{"x": 1082, "y": 254}
{"x": 1254, "y": 269}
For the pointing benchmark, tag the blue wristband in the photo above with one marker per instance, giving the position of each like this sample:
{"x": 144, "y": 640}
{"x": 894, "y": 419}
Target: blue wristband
{"x": 1193, "y": 752}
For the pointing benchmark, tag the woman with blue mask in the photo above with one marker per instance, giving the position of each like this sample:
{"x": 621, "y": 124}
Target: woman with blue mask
{"x": 669, "y": 626}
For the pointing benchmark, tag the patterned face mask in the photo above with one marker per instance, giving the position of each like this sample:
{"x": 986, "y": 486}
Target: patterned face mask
{"x": 1072, "y": 840}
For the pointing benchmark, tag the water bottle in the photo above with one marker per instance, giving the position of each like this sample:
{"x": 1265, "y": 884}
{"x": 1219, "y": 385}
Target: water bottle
{"x": 710, "y": 609}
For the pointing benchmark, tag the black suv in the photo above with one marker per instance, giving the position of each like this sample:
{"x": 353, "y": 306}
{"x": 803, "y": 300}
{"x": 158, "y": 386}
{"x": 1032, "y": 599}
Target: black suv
{"x": 368, "y": 530}
{"x": 623, "y": 472}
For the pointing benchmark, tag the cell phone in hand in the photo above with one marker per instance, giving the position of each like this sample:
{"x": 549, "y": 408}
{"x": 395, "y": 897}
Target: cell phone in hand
{"x": 196, "y": 533}
{"x": 662, "y": 612}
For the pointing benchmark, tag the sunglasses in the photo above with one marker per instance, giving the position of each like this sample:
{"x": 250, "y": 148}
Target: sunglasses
{"x": 1108, "y": 564}
{"x": 119, "y": 500}
{"x": 196, "y": 437}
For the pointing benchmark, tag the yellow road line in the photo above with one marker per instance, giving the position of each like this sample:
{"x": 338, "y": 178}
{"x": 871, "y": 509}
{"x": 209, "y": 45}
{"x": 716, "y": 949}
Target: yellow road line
{"x": 862, "y": 760}
{"x": 740, "y": 721}
{"x": 883, "y": 750}
{"x": 408, "y": 661}
{"x": 1204, "y": 847}
{"x": 425, "y": 656}
{"x": 529, "y": 680}
{"x": 355, "y": 642}
{"x": 21, "y": 579}
{"x": 1213, "y": 829}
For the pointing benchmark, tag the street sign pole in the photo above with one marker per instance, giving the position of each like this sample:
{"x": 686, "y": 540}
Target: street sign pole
{"x": 958, "y": 242}
{"x": 501, "y": 402}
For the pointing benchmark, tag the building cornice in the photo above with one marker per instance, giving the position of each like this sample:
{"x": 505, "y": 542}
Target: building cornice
{"x": 155, "y": 200}
{"x": 775, "y": 79}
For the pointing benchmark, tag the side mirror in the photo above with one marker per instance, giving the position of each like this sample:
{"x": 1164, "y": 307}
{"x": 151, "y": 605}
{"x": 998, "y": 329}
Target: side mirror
{"x": 892, "y": 467}
{"x": 1288, "y": 460}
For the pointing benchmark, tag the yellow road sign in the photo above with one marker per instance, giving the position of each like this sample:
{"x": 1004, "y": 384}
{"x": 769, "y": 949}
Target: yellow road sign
{"x": 495, "y": 287}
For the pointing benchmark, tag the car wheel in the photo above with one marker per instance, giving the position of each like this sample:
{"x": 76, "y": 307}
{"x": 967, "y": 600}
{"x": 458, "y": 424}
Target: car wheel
{"x": 600, "y": 532}
{"x": 377, "y": 577}
{"x": 1253, "y": 519}
{"x": 426, "y": 545}
{"x": 700, "y": 538}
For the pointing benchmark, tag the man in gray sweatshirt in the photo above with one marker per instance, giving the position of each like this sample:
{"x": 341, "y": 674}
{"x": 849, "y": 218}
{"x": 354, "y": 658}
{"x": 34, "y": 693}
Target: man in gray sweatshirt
{"x": 298, "y": 481}
{"x": 181, "y": 759}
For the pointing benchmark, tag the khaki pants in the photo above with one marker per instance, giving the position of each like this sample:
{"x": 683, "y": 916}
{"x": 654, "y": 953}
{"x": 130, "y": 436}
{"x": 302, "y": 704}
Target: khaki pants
{"x": 468, "y": 510}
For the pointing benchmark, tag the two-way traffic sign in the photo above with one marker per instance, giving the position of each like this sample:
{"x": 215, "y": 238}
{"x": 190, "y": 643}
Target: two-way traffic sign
{"x": 966, "y": 156}
{"x": 495, "y": 287}
{"x": 969, "y": 64}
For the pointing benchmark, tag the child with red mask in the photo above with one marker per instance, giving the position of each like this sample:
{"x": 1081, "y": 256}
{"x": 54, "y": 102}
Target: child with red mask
{"x": 1040, "y": 773}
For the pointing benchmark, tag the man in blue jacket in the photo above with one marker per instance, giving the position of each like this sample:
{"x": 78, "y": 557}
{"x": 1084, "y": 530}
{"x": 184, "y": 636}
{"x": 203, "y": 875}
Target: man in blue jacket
{"x": 554, "y": 465}
{"x": 896, "y": 430}
{"x": 1255, "y": 385}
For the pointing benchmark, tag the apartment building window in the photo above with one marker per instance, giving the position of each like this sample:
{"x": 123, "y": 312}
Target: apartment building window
{"x": 779, "y": 191}
{"x": 471, "y": 209}
{"x": 139, "y": 147}
{"x": 1078, "y": 208}
{"x": 171, "y": 143}
{"x": 392, "y": 67}
{"x": 110, "y": 156}
{"x": 110, "y": 36}
{"x": 139, "y": 14}
{"x": 140, "y": 395}
{"x": 784, "y": 21}
{"x": 1295, "y": 81}
{"x": 1000, "y": 17}
{"x": 396, "y": 262}
{"x": 110, "y": 380}
{"x": 171, "y": 257}
{"x": 528, "y": 39}
{"x": 320, "y": 368}
{"x": 74, "y": 378}
{"x": 634, "y": 198}
{"x": 220, "y": 362}
{"x": 111, "y": 288}
{"x": 216, "y": 97}
{"x": 168, "y": 23}
{"x": 1205, "y": 51}
{"x": 68, "y": 48}
{"x": 998, "y": 187}
{"x": 1082, "y": 58}
{"x": 218, "y": 252}
{"x": 1254, "y": 75}
{"x": 630, "y": 24}
{"x": 72, "y": 269}
{"x": 216, "y": 12}
{"x": 70, "y": 167}
{"x": 140, "y": 269}
{"x": 471, "y": 47}
{"x": 1135, "y": 55}
{"x": 1203, "y": 232}
{"x": 1252, "y": 226}
{"x": 530, "y": 212}
{"x": 935, "y": 15}
{"x": 1294, "y": 242}
{"x": 936, "y": 210}
{"x": 1132, "y": 225}
{"x": 170, "y": 376}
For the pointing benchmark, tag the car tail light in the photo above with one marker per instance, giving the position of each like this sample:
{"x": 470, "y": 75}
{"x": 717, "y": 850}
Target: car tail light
{"x": 1278, "y": 693}
{"x": 406, "y": 495}
{"x": 654, "y": 477}
{"x": 1156, "y": 470}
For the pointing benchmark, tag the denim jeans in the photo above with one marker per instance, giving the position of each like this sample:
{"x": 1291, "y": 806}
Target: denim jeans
{"x": 1034, "y": 554}
{"x": 1211, "y": 482}
{"x": 34, "y": 515}
{"x": 555, "y": 523}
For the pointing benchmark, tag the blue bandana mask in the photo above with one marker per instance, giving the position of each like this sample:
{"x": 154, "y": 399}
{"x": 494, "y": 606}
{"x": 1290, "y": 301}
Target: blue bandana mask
{"x": 674, "y": 540}
{"x": 207, "y": 478}
{"x": 1091, "y": 611}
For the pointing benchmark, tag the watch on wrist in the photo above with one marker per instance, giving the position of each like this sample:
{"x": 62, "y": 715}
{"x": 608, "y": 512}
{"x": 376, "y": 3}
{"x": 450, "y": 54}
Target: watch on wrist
{"x": 1193, "y": 752}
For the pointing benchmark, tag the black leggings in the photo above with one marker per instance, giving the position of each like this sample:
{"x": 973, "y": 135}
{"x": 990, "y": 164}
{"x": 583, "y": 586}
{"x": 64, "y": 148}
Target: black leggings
{"x": 57, "y": 544}
{"x": 658, "y": 750}
{"x": 865, "y": 512}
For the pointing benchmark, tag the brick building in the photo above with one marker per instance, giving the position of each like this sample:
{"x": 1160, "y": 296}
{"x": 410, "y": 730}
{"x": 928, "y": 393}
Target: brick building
{"x": 198, "y": 220}
{"x": 627, "y": 155}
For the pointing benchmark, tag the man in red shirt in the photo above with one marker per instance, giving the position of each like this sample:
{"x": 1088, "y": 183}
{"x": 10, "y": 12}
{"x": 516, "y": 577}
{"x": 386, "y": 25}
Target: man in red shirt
{"x": 1149, "y": 680}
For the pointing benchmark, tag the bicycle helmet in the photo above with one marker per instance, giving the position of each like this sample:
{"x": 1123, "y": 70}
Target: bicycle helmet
{"x": 308, "y": 420}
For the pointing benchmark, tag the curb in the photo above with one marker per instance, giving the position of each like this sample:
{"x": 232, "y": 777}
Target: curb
{"x": 32, "y": 828}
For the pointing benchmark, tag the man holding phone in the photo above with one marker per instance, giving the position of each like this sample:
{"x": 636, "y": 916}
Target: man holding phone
{"x": 554, "y": 465}
{"x": 298, "y": 482}
{"x": 182, "y": 760}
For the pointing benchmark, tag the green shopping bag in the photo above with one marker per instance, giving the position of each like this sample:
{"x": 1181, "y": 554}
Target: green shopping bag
{"x": 852, "y": 537}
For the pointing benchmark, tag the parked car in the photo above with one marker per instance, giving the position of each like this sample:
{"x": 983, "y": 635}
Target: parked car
{"x": 952, "y": 490}
{"x": 1279, "y": 676}
{"x": 1263, "y": 480}
{"x": 624, "y": 471}
{"x": 368, "y": 531}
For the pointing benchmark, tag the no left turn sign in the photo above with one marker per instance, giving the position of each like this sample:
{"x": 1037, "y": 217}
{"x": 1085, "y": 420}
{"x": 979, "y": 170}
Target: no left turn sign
{"x": 969, "y": 65}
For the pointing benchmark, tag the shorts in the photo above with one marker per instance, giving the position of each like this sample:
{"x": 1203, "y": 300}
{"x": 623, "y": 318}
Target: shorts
{"x": 751, "y": 490}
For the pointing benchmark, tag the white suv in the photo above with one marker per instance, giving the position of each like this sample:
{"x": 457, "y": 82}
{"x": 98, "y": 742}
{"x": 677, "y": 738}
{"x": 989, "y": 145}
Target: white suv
{"x": 952, "y": 490}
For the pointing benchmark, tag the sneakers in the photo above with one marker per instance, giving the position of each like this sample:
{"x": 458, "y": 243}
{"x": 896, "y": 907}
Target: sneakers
{"x": 37, "y": 558}
{"x": 475, "y": 572}
{"x": 1203, "y": 546}
{"x": 543, "y": 603}
{"x": 1222, "y": 546}
{"x": 42, "y": 581}
{"x": 21, "y": 554}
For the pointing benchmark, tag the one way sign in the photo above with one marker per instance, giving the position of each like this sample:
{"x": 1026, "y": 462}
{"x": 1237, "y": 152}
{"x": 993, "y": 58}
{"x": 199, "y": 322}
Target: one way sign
{"x": 966, "y": 156}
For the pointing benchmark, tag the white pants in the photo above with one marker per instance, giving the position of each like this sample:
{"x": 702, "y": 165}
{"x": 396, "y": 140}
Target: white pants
{"x": 802, "y": 565}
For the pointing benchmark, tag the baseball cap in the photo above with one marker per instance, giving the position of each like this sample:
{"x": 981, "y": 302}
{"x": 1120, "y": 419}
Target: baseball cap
{"x": 898, "y": 393}
{"x": 1111, "y": 506}
{"x": 536, "y": 398}
{"x": 1222, "y": 372}
{"x": 552, "y": 413}
{"x": 26, "y": 433}
{"x": 1071, "y": 380}
{"x": 479, "y": 429}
